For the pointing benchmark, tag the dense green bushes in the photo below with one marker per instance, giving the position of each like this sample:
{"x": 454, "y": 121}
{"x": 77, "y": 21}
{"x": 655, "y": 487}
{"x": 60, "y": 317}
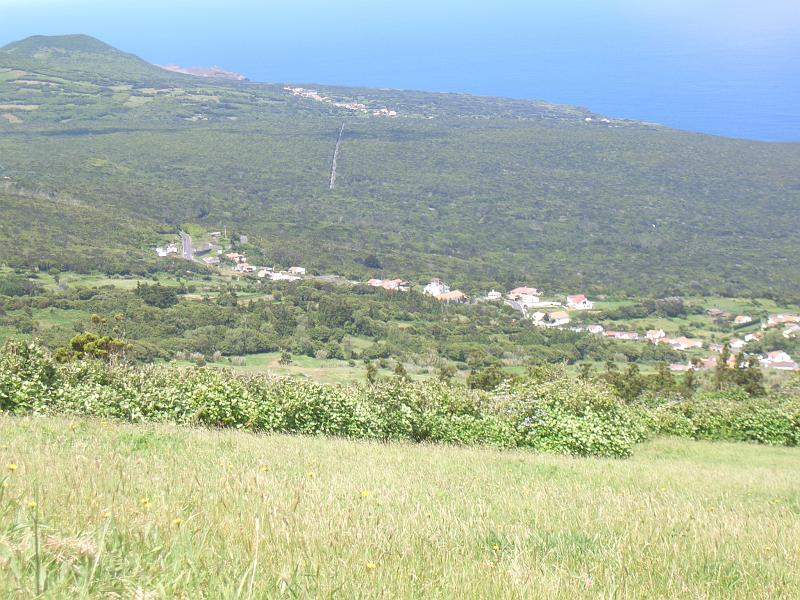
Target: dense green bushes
{"x": 731, "y": 416}
{"x": 556, "y": 415}
{"x": 547, "y": 411}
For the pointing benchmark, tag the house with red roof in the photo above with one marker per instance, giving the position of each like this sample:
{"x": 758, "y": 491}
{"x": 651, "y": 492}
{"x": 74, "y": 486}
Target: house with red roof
{"x": 579, "y": 302}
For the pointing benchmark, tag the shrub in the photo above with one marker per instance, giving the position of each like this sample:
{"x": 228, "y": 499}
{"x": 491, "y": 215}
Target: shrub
{"x": 573, "y": 417}
{"x": 732, "y": 416}
{"x": 546, "y": 411}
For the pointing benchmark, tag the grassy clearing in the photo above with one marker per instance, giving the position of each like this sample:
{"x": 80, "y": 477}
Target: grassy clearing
{"x": 194, "y": 513}
{"x": 319, "y": 370}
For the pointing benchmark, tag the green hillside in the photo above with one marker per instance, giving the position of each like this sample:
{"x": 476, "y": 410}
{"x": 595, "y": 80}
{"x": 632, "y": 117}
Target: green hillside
{"x": 482, "y": 191}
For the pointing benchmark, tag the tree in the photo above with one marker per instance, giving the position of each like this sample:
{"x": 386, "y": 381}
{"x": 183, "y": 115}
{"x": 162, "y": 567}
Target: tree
{"x": 721, "y": 370}
{"x": 372, "y": 262}
{"x": 446, "y": 373}
{"x": 89, "y": 345}
{"x": 486, "y": 379}
{"x": 372, "y": 373}
{"x": 285, "y": 359}
{"x": 400, "y": 371}
{"x": 689, "y": 384}
{"x": 585, "y": 371}
{"x": 157, "y": 295}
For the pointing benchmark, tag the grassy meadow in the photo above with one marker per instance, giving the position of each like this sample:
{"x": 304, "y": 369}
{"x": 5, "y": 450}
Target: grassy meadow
{"x": 125, "y": 511}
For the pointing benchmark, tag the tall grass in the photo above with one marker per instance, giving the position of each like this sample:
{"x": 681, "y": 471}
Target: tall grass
{"x": 156, "y": 511}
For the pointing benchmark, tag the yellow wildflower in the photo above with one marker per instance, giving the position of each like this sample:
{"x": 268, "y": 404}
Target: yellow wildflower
{"x": 31, "y": 504}
{"x": 145, "y": 502}
{"x": 310, "y": 474}
{"x": 177, "y": 521}
{"x": 365, "y": 494}
{"x": 11, "y": 467}
{"x": 371, "y": 566}
{"x": 106, "y": 514}
{"x": 264, "y": 468}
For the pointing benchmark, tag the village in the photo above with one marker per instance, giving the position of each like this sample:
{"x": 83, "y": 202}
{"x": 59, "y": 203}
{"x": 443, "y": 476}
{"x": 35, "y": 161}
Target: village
{"x": 531, "y": 304}
{"x": 353, "y": 106}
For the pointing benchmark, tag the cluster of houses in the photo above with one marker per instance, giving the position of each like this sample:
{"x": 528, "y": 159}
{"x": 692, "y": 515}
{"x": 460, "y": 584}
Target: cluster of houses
{"x": 354, "y": 106}
{"x": 394, "y": 285}
{"x": 778, "y": 360}
{"x": 528, "y": 301}
{"x": 442, "y": 292}
{"x": 791, "y": 324}
{"x": 242, "y": 266}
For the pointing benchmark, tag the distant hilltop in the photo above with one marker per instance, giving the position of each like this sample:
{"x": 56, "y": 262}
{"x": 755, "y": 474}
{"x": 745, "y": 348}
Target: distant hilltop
{"x": 213, "y": 72}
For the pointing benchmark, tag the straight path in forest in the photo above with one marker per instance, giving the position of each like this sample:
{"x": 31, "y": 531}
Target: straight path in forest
{"x": 336, "y": 157}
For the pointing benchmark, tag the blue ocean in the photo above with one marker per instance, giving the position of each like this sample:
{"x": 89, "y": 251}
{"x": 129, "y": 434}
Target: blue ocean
{"x": 726, "y": 68}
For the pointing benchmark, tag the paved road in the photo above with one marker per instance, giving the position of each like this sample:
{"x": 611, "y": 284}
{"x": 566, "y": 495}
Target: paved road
{"x": 515, "y": 305}
{"x": 186, "y": 242}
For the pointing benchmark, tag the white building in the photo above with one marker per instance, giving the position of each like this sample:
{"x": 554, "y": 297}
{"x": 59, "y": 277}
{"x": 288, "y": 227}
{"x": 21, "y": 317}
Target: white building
{"x": 494, "y": 295}
{"x": 436, "y": 287}
{"x": 579, "y": 302}
{"x": 297, "y": 270}
{"x": 526, "y": 296}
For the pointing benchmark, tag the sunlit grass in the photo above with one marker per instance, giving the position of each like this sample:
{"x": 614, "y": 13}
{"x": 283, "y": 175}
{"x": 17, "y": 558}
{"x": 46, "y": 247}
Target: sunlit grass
{"x": 193, "y": 513}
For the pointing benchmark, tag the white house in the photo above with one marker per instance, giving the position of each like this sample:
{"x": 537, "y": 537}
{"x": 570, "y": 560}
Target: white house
{"x": 656, "y": 335}
{"x": 283, "y": 277}
{"x": 297, "y": 270}
{"x": 630, "y": 336}
{"x": 743, "y": 319}
{"x": 779, "y": 356}
{"x": 579, "y": 302}
{"x": 494, "y": 295}
{"x": 736, "y": 344}
{"x": 558, "y": 318}
{"x": 436, "y": 287}
{"x": 792, "y": 330}
{"x": 782, "y": 319}
{"x": 596, "y": 329}
{"x": 526, "y": 296}
{"x": 684, "y": 343}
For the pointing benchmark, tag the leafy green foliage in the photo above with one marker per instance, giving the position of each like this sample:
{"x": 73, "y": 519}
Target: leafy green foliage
{"x": 732, "y": 416}
{"x": 88, "y": 345}
{"x": 157, "y": 295}
{"x": 545, "y": 411}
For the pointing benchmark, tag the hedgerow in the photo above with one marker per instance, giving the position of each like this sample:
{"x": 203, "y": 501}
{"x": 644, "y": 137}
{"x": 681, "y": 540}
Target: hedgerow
{"x": 548, "y": 411}
{"x": 731, "y": 416}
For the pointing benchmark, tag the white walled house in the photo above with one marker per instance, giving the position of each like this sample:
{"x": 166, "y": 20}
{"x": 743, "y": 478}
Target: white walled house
{"x": 526, "y": 296}
{"x": 579, "y": 302}
{"x": 436, "y": 287}
{"x": 494, "y": 295}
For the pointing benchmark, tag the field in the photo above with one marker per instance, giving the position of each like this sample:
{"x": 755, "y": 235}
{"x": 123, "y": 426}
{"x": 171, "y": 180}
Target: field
{"x": 162, "y": 512}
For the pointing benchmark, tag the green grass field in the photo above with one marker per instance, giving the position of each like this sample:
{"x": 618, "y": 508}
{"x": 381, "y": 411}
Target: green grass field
{"x": 320, "y": 370}
{"x": 159, "y": 512}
